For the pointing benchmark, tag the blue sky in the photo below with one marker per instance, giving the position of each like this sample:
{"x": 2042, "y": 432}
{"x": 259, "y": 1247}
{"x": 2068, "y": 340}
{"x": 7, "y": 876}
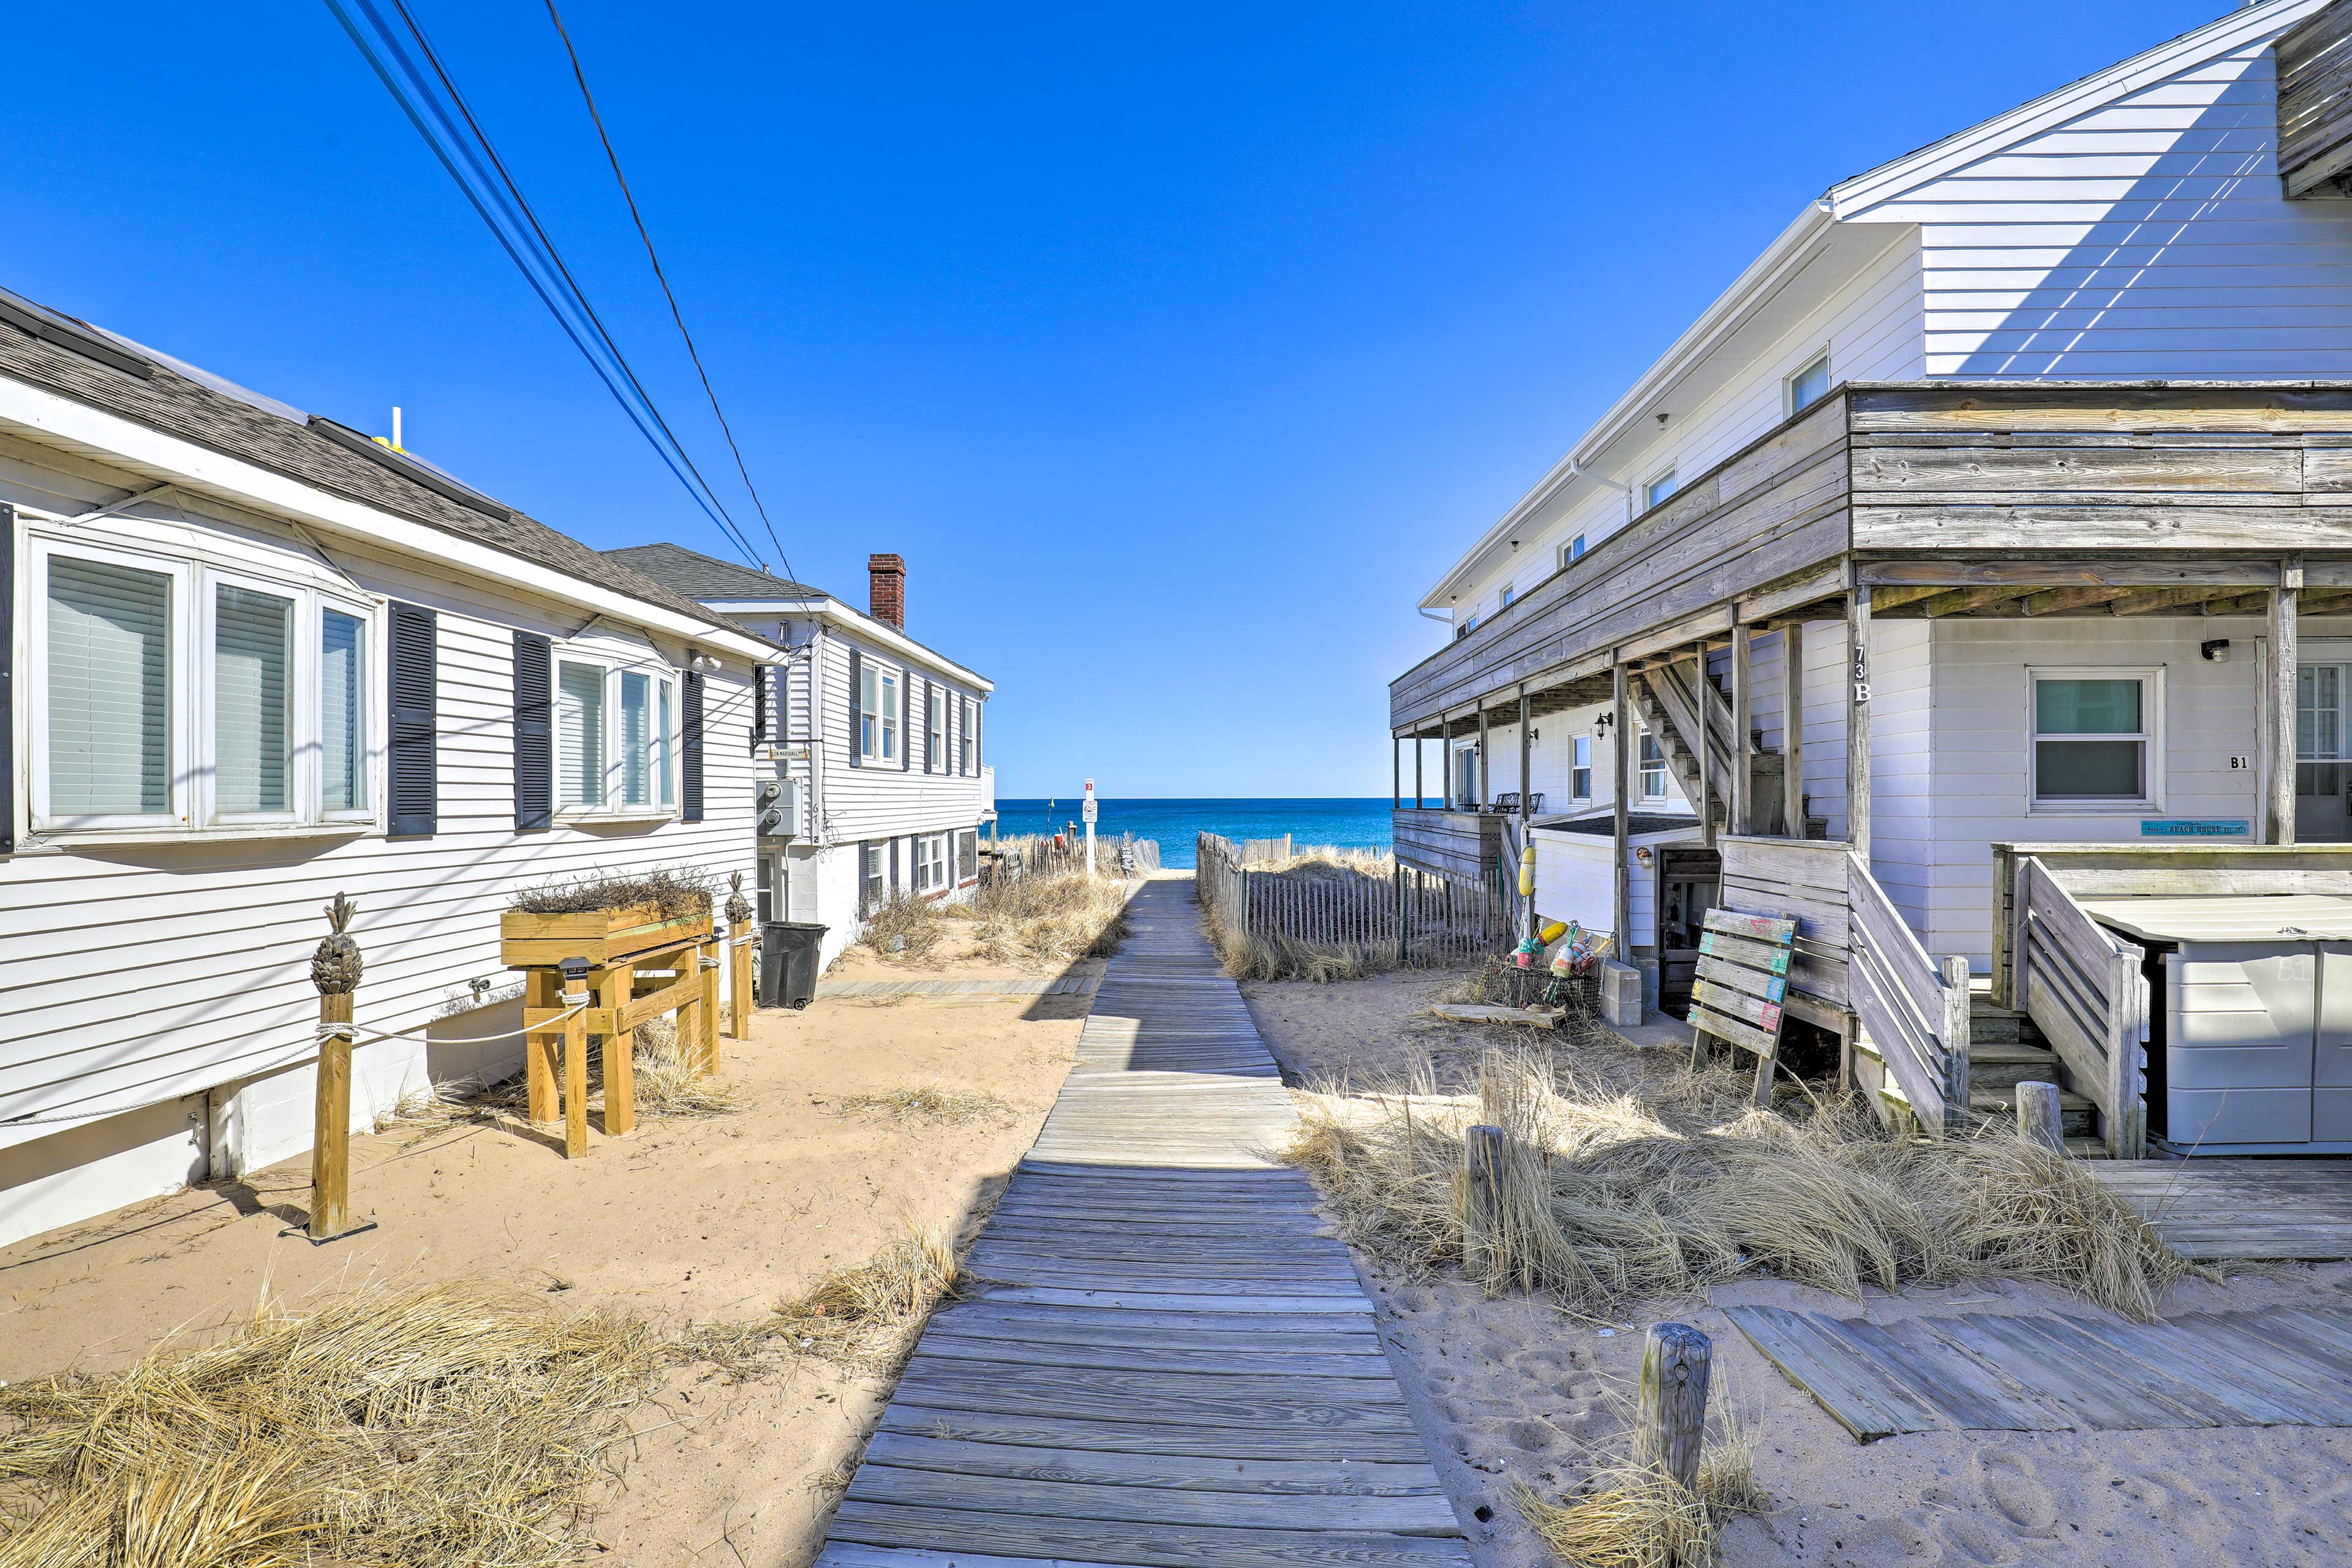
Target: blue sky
{"x": 1176, "y": 349}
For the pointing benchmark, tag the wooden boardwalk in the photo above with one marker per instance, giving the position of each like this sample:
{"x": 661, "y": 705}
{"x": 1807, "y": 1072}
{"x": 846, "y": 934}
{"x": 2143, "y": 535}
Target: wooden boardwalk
{"x": 2229, "y": 1207}
{"x": 1168, "y": 1362}
{"x": 2050, "y": 1373}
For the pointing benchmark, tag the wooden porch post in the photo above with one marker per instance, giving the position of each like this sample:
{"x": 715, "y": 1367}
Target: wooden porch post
{"x": 335, "y": 969}
{"x": 1857, "y": 722}
{"x": 1444, "y": 760}
{"x": 1792, "y": 729}
{"x": 2280, "y": 735}
{"x": 1704, "y": 693}
{"x": 1420, "y": 746}
{"x": 1743, "y": 777}
{"x": 1620, "y": 748}
{"x": 1485, "y": 789}
{"x": 1527, "y": 711}
{"x": 1396, "y": 773}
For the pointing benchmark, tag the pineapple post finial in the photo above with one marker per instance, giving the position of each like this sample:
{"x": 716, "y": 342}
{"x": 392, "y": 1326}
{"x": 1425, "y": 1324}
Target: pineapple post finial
{"x": 335, "y": 966}
{"x": 739, "y": 908}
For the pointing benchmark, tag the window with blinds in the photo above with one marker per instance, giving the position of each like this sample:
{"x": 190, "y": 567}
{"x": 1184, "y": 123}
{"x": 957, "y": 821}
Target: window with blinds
{"x": 342, "y": 713}
{"x": 253, "y": 702}
{"x": 579, "y": 735}
{"x": 637, "y": 735}
{"x": 109, "y": 697}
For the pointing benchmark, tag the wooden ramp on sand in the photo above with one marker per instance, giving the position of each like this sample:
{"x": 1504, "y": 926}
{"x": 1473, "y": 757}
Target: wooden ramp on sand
{"x": 2230, "y": 1207}
{"x": 1167, "y": 1362}
{"x": 2054, "y": 1371}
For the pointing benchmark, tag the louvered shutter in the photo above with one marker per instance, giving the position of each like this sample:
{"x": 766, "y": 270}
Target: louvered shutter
{"x": 689, "y": 750}
{"x": 759, "y": 706}
{"x": 856, "y": 686}
{"x": 534, "y": 742}
{"x": 894, "y": 865}
{"x": 905, "y": 717}
{"x": 7, "y": 679}
{"x": 412, "y": 784}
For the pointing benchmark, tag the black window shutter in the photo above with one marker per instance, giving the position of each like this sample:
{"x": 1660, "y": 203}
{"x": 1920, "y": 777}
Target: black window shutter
{"x": 965, "y": 749}
{"x": 534, "y": 743}
{"x": 689, "y": 750}
{"x": 7, "y": 679}
{"x": 857, "y": 689}
{"x": 906, "y": 714}
{"x": 415, "y": 677}
{"x": 979, "y": 713}
{"x": 758, "y": 706}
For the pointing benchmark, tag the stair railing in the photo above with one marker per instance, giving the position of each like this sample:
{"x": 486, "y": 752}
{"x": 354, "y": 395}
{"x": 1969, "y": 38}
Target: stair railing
{"x": 2085, "y": 989}
{"x": 1915, "y": 1012}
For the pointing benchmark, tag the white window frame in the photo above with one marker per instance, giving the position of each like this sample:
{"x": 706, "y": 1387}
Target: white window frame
{"x": 1571, "y": 552}
{"x": 963, "y": 734}
{"x": 967, "y": 856}
{"x": 935, "y": 741}
{"x": 1508, "y": 596}
{"x": 612, "y": 666}
{"x": 1580, "y": 745}
{"x": 874, "y": 874}
{"x": 886, "y": 721}
{"x": 1642, "y": 771}
{"x": 1652, "y": 497}
{"x": 2150, "y": 737}
{"x": 933, "y": 871}
{"x": 190, "y": 693}
{"x": 1790, "y": 407}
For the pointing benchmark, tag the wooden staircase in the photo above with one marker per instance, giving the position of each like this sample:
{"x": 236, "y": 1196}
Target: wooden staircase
{"x": 1667, "y": 697}
{"x": 2005, "y": 1049}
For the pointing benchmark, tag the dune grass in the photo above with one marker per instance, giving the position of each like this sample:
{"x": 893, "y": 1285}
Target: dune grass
{"x": 934, "y": 1102}
{"x": 1613, "y": 1194}
{"x": 915, "y": 923}
{"x": 448, "y": 1423}
{"x": 1055, "y": 919}
{"x": 1628, "y": 1514}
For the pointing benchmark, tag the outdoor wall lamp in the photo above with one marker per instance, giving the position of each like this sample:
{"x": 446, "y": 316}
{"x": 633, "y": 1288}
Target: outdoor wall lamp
{"x": 1645, "y": 854}
{"x": 2214, "y": 652}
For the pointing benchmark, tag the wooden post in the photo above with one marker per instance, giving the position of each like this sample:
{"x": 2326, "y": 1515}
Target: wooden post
{"x": 739, "y": 982}
{"x": 1857, "y": 721}
{"x": 2038, "y": 1116}
{"x": 1526, "y": 759}
{"x": 613, "y": 989}
{"x": 1444, "y": 761}
{"x": 1482, "y": 1194}
{"x": 1621, "y": 739}
{"x": 335, "y": 969}
{"x": 706, "y": 955}
{"x": 1743, "y": 719}
{"x": 1670, "y": 1420}
{"x": 2127, "y": 1118}
{"x": 1792, "y": 729}
{"x": 1485, "y": 789}
{"x": 1404, "y": 948}
{"x": 2281, "y": 735}
{"x": 1396, "y": 773}
{"x": 1955, "y": 1043}
{"x": 1704, "y": 697}
{"x": 575, "y": 993}
{"x": 541, "y": 988}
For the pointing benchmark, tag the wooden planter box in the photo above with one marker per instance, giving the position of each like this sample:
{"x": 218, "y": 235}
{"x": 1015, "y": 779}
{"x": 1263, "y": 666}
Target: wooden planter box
{"x": 602, "y": 937}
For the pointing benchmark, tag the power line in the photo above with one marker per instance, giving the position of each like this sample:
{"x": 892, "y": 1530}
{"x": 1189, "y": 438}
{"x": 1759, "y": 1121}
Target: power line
{"x": 532, "y": 253}
{"x": 613, "y": 158}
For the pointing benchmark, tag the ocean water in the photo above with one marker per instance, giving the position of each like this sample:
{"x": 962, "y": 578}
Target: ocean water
{"x": 1348, "y": 824}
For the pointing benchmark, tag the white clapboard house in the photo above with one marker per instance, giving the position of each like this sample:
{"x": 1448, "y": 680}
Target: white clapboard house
{"x": 873, "y": 737}
{"x": 251, "y": 658}
{"x": 2031, "y": 452}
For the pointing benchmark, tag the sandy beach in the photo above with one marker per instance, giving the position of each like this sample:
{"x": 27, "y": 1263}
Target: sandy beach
{"x": 1512, "y": 1391}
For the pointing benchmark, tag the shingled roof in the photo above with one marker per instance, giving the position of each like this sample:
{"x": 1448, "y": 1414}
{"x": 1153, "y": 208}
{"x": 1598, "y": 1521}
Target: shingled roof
{"x": 707, "y": 578}
{"x": 166, "y": 400}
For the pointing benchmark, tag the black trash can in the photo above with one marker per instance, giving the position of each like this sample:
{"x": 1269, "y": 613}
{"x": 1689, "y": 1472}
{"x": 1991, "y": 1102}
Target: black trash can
{"x": 788, "y": 955}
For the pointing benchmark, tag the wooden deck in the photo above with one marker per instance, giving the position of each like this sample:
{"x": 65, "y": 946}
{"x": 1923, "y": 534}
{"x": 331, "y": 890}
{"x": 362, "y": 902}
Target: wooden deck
{"x": 2226, "y": 1208}
{"x": 2048, "y": 1372}
{"x": 1169, "y": 1362}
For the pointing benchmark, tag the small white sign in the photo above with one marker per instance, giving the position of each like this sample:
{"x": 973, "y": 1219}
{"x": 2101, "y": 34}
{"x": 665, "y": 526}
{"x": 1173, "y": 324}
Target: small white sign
{"x": 2241, "y": 764}
{"x": 1086, "y": 811}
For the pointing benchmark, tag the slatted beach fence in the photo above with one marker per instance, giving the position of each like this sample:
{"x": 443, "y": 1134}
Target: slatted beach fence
{"x": 1442, "y": 923}
{"x": 1266, "y": 851}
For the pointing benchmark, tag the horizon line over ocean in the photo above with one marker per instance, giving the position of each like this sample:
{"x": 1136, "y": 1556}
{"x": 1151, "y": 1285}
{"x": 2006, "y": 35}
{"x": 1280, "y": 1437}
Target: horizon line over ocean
{"x": 1347, "y": 822}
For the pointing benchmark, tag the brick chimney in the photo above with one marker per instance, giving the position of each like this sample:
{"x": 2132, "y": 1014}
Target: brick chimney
{"x": 888, "y": 600}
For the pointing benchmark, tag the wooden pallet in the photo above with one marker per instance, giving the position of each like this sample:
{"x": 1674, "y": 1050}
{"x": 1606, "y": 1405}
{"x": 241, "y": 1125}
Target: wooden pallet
{"x": 1166, "y": 1360}
{"x": 1743, "y": 979}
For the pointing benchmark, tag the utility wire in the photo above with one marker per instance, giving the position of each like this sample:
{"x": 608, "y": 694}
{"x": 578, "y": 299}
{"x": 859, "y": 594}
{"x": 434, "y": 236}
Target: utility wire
{"x": 613, "y": 158}
{"x": 536, "y": 267}
{"x": 547, "y": 245}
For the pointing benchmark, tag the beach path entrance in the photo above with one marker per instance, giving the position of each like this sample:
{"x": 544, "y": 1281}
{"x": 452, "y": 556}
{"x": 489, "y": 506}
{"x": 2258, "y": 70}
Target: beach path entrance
{"x": 1164, "y": 1361}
